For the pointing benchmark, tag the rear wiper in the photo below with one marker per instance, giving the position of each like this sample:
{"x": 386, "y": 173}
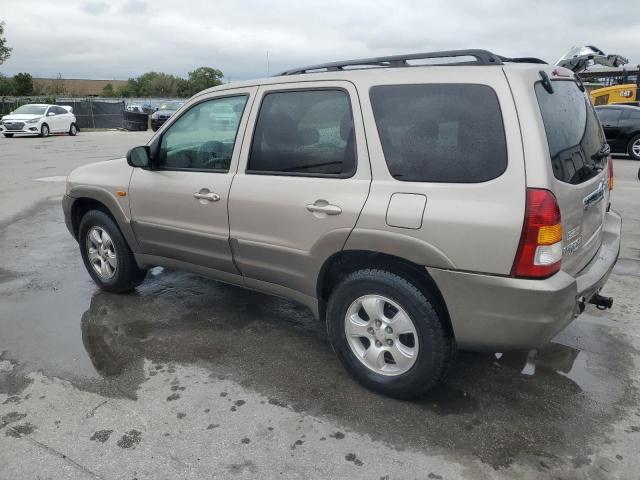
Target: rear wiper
{"x": 603, "y": 152}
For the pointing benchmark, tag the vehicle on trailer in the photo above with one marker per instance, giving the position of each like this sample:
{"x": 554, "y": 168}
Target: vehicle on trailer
{"x": 164, "y": 113}
{"x": 621, "y": 125}
{"x": 416, "y": 209}
{"x": 39, "y": 119}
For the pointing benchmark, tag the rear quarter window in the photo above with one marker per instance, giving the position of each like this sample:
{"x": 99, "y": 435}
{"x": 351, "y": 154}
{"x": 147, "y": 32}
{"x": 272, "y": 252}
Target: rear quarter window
{"x": 450, "y": 133}
{"x": 573, "y": 131}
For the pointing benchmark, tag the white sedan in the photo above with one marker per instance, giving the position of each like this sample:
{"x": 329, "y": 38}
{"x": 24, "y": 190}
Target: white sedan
{"x": 36, "y": 119}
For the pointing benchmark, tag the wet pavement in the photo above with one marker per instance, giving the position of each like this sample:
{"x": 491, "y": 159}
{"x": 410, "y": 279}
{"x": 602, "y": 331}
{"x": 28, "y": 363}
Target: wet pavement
{"x": 190, "y": 378}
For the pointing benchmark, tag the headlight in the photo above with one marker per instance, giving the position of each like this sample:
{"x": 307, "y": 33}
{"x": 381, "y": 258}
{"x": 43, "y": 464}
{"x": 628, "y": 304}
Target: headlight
{"x": 35, "y": 120}
{"x": 154, "y": 116}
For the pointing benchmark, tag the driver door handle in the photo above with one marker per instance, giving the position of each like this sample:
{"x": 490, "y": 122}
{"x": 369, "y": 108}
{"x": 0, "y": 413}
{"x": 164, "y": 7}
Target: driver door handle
{"x": 212, "y": 197}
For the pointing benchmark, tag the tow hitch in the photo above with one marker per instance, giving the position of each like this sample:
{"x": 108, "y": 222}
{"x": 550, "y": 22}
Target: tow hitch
{"x": 601, "y": 302}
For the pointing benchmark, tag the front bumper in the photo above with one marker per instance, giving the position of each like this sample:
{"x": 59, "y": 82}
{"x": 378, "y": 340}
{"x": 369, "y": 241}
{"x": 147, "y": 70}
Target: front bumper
{"x": 30, "y": 128}
{"x": 67, "y": 203}
{"x": 501, "y": 313}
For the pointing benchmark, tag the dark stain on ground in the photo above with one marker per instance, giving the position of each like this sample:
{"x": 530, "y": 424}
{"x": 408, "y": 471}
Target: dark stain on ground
{"x": 351, "y": 457}
{"x": 211, "y": 426}
{"x": 176, "y": 388}
{"x": 297, "y": 443}
{"x": 101, "y": 436}
{"x": 245, "y": 441}
{"x": 11, "y": 417}
{"x": 499, "y": 408}
{"x": 180, "y": 415}
{"x": 130, "y": 439}
{"x": 434, "y": 476}
{"x": 337, "y": 435}
{"x": 20, "y": 430}
{"x": 246, "y": 466}
{"x": 173, "y": 396}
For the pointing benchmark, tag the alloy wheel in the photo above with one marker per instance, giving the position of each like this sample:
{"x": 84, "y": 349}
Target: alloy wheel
{"x": 101, "y": 252}
{"x": 381, "y": 335}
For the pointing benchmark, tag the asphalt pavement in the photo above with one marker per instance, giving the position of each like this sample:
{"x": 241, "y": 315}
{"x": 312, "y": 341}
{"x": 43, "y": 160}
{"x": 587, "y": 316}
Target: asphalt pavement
{"x": 191, "y": 378}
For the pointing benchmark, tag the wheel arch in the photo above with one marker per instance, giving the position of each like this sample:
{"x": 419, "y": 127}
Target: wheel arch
{"x": 340, "y": 264}
{"x": 84, "y": 201}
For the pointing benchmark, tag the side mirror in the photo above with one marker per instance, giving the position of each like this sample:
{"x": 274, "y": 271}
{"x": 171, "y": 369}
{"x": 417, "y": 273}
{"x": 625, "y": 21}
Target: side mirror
{"x": 139, "y": 157}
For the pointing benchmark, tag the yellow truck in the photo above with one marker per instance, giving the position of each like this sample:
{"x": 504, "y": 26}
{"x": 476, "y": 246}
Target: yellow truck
{"x": 624, "y": 93}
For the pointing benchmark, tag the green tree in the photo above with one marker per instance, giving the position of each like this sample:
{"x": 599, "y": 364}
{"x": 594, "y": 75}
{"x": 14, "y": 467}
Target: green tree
{"x": 124, "y": 91}
{"x": 203, "y": 78}
{"x": 107, "y": 90}
{"x": 22, "y": 84}
{"x": 5, "y": 51}
{"x": 6, "y": 86}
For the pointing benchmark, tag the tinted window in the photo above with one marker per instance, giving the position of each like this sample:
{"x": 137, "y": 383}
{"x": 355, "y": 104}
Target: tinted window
{"x": 635, "y": 115}
{"x": 440, "y": 133}
{"x": 203, "y": 137}
{"x": 60, "y": 111}
{"x": 306, "y": 133}
{"x": 608, "y": 115}
{"x": 573, "y": 132}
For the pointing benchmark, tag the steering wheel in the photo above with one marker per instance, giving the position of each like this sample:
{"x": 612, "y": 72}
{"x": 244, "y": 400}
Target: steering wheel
{"x": 210, "y": 153}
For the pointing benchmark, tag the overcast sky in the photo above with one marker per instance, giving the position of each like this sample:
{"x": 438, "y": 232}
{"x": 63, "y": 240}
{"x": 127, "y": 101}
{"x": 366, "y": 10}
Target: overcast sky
{"x": 117, "y": 39}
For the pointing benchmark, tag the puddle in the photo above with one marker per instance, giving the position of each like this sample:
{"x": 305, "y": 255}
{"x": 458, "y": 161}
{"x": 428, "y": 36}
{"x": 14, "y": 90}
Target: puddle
{"x": 499, "y": 408}
{"x": 55, "y": 178}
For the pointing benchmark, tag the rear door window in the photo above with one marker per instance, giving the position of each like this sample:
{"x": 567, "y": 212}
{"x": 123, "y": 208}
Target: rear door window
{"x": 440, "y": 132}
{"x": 306, "y": 133}
{"x": 574, "y": 134}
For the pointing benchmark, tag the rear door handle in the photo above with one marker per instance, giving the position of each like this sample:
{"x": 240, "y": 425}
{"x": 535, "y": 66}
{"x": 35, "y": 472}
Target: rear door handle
{"x": 322, "y": 206}
{"x": 212, "y": 197}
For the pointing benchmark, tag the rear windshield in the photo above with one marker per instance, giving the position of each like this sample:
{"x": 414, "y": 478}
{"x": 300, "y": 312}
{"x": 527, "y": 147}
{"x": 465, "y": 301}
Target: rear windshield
{"x": 573, "y": 132}
{"x": 440, "y": 132}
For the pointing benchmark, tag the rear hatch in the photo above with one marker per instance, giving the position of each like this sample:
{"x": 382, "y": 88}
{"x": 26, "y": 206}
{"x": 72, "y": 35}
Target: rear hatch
{"x": 578, "y": 156}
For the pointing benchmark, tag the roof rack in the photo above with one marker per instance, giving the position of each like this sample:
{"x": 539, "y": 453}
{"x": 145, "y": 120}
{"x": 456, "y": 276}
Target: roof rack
{"x": 482, "y": 57}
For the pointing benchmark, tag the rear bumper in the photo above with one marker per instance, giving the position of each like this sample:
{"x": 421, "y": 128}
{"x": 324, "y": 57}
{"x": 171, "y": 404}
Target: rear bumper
{"x": 501, "y": 313}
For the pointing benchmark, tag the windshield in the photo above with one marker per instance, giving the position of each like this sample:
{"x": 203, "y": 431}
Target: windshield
{"x": 170, "y": 106}
{"x": 30, "y": 110}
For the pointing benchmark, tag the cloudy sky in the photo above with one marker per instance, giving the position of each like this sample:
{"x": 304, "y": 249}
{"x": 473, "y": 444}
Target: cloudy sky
{"x": 117, "y": 39}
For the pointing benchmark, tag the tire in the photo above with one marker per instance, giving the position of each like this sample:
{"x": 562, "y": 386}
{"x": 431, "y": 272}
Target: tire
{"x": 435, "y": 352}
{"x": 44, "y": 130}
{"x": 120, "y": 272}
{"x": 634, "y": 144}
{"x": 73, "y": 130}
{"x": 8, "y": 135}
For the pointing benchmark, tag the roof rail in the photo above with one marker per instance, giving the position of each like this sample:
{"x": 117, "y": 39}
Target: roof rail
{"x": 482, "y": 57}
{"x": 521, "y": 60}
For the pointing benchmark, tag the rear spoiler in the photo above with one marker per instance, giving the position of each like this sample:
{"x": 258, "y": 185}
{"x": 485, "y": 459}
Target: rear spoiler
{"x": 67, "y": 108}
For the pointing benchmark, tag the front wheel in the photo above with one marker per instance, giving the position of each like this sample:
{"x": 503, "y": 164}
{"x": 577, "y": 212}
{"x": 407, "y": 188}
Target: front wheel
{"x": 106, "y": 255}
{"x": 633, "y": 149}
{"x": 44, "y": 130}
{"x": 387, "y": 334}
{"x": 73, "y": 130}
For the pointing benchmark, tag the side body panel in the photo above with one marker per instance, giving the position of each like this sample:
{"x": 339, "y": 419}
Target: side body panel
{"x": 275, "y": 238}
{"x": 170, "y": 222}
{"x": 466, "y": 226}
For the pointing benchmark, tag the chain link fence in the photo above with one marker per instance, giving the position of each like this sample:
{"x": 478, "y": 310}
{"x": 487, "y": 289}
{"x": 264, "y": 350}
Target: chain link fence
{"x": 92, "y": 112}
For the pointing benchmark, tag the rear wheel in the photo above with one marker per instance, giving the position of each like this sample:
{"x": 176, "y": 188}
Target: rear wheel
{"x": 44, "y": 130}
{"x": 387, "y": 334}
{"x": 73, "y": 130}
{"x": 633, "y": 149}
{"x": 8, "y": 135}
{"x": 106, "y": 255}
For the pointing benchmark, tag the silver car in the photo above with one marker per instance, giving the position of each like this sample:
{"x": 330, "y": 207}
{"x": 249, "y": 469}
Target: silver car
{"x": 416, "y": 209}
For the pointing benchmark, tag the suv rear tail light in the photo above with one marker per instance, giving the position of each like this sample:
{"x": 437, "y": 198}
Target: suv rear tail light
{"x": 540, "y": 251}
{"x": 610, "y": 173}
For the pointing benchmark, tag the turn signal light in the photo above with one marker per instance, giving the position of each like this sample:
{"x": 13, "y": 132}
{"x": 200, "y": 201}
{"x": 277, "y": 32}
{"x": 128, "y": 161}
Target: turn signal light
{"x": 539, "y": 253}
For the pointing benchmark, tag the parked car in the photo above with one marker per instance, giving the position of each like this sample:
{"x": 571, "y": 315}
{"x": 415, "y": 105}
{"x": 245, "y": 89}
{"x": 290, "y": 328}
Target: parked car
{"x": 163, "y": 114}
{"x": 36, "y": 119}
{"x": 621, "y": 125}
{"x": 414, "y": 209}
